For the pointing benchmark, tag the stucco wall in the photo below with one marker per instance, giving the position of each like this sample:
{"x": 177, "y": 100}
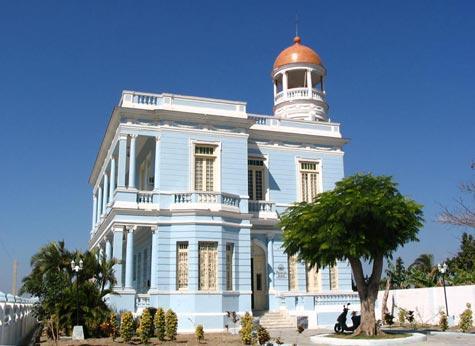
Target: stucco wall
{"x": 427, "y": 302}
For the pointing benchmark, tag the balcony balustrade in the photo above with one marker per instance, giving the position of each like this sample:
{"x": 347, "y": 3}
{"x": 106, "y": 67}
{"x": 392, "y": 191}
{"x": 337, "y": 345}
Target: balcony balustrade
{"x": 199, "y": 197}
{"x": 145, "y": 197}
{"x": 299, "y": 94}
{"x": 262, "y": 209}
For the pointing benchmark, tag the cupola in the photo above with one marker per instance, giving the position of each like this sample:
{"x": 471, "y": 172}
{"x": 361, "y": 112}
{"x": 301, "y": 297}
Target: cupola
{"x": 298, "y": 77}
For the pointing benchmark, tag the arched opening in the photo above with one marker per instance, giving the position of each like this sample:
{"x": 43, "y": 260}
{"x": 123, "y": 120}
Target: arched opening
{"x": 259, "y": 284}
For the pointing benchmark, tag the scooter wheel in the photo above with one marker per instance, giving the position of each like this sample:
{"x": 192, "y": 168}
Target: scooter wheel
{"x": 338, "y": 329}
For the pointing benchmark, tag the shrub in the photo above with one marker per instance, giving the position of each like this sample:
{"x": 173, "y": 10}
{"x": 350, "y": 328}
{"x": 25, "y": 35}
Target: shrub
{"x": 262, "y": 335}
{"x": 402, "y": 315}
{"x": 171, "y": 324}
{"x": 388, "y": 319}
{"x": 246, "y": 329}
{"x": 466, "y": 319}
{"x": 126, "y": 326}
{"x": 199, "y": 333}
{"x": 159, "y": 324}
{"x": 114, "y": 325}
{"x": 410, "y": 316}
{"x": 145, "y": 331}
{"x": 443, "y": 321}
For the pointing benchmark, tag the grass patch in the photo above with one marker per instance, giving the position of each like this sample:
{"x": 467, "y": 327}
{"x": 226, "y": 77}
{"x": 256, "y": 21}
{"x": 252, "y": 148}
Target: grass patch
{"x": 374, "y": 337}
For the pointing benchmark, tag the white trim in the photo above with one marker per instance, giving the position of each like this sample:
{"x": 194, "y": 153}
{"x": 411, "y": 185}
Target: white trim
{"x": 281, "y": 146}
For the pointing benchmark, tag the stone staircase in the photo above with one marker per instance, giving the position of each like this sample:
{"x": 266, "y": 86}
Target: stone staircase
{"x": 277, "y": 320}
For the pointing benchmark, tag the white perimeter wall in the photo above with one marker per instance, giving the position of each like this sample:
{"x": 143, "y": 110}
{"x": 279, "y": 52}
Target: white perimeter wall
{"x": 427, "y": 302}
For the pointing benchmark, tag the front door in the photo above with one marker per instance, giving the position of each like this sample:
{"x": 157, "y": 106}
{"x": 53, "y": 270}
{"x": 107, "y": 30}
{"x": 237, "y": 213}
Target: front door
{"x": 259, "y": 278}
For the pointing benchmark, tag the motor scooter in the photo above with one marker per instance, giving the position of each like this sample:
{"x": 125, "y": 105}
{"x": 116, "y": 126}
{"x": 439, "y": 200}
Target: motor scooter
{"x": 340, "y": 325}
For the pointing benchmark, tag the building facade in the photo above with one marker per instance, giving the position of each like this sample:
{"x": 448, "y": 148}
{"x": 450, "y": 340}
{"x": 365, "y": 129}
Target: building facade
{"x": 187, "y": 192}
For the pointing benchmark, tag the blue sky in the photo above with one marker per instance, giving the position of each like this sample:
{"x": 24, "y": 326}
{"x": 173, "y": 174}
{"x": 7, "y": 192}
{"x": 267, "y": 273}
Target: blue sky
{"x": 400, "y": 81}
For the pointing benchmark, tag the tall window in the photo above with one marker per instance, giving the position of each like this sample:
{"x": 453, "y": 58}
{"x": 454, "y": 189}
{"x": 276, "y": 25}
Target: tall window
{"x": 229, "y": 266}
{"x": 293, "y": 284}
{"x": 255, "y": 180}
{"x": 182, "y": 265}
{"x": 308, "y": 180}
{"x": 314, "y": 280}
{"x": 334, "y": 278}
{"x": 205, "y": 161}
{"x": 208, "y": 265}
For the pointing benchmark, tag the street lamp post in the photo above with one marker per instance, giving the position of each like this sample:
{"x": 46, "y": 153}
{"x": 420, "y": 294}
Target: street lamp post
{"x": 78, "y": 333}
{"x": 443, "y": 269}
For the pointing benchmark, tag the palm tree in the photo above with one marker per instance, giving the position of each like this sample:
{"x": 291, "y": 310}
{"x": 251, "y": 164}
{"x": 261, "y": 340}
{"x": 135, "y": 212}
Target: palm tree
{"x": 423, "y": 272}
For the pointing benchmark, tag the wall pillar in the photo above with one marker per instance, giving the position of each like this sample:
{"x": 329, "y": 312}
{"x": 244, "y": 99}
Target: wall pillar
{"x": 132, "y": 162}
{"x": 99, "y": 203}
{"x": 122, "y": 160}
{"x": 156, "y": 185}
{"x": 129, "y": 256}
{"x": 112, "y": 181}
{"x": 117, "y": 253}
{"x": 108, "y": 255}
{"x": 154, "y": 260}
{"x": 105, "y": 184}
{"x": 94, "y": 211}
{"x": 270, "y": 261}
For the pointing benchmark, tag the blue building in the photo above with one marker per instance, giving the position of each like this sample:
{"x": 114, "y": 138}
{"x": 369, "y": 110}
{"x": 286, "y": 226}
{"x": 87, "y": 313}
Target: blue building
{"x": 187, "y": 193}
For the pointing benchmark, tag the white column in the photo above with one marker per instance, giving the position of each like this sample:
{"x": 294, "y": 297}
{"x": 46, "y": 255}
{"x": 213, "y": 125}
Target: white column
{"x": 117, "y": 252}
{"x": 154, "y": 260}
{"x": 112, "y": 181}
{"x": 275, "y": 88}
{"x": 108, "y": 250}
{"x": 122, "y": 160}
{"x": 101, "y": 253}
{"x": 99, "y": 203}
{"x": 105, "y": 183}
{"x": 157, "y": 163}
{"x": 132, "y": 162}
{"x": 129, "y": 256}
{"x": 270, "y": 260}
{"x": 284, "y": 84}
{"x": 94, "y": 210}
{"x": 309, "y": 82}
{"x": 108, "y": 254}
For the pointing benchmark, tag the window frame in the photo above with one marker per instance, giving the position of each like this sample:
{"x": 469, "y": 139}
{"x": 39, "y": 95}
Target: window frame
{"x": 177, "y": 269}
{"x": 216, "y": 257}
{"x": 317, "y": 279}
{"x": 299, "y": 170}
{"x": 293, "y": 261}
{"x": 216, "y": 164}
{"x": 265, "y": 178}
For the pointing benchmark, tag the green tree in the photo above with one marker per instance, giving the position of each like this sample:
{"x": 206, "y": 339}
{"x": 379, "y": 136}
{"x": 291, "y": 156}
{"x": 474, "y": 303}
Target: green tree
{"x": 58, "y": 290}
{"x": 423, "y": 272}
{"x": 364, "y": 218}
{"x": 462, "y": 266}
{"x": 398, "y": 274}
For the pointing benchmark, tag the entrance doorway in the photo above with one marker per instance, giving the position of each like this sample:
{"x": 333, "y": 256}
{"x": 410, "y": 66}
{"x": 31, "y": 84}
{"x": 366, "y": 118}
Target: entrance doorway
{"x": 258, "y": 278}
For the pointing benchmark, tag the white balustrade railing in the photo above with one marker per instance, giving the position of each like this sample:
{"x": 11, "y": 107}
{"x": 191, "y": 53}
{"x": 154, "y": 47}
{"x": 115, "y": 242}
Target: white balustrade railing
{"x": 142, "y": 301}
{"x": 261, "y": 206}
{"x": 299, "y": 93}
{"x": 145, "y": 197}
{"x": 16, "y": 318}
{"x": 207, "y": 198}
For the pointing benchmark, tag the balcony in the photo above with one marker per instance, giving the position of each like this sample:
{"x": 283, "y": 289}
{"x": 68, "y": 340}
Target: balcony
{"x": 214, "y": 201}
{"x": 299, "y": 94}
{"x": 263, "y": 209}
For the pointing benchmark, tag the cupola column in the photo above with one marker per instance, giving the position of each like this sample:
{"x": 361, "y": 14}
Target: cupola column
{"x": 284, "y": 84}
{"x": 309, "y": 82}
{"x": 275, "y": 89}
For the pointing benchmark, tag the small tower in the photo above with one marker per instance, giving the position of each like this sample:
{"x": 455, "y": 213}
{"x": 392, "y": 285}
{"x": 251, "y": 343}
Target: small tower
{"x": 298, "y": 77}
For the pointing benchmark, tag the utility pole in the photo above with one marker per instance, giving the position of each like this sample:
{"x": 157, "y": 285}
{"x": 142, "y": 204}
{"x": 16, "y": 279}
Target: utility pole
{"x": 14, "y": 275}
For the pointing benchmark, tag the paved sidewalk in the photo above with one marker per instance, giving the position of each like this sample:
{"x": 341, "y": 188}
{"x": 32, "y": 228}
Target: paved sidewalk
{"x": 291, "y": 336}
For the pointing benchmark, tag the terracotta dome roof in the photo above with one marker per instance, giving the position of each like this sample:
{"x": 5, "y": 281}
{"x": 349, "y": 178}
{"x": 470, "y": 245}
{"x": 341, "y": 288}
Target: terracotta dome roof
{"x": 297, "y": 53}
